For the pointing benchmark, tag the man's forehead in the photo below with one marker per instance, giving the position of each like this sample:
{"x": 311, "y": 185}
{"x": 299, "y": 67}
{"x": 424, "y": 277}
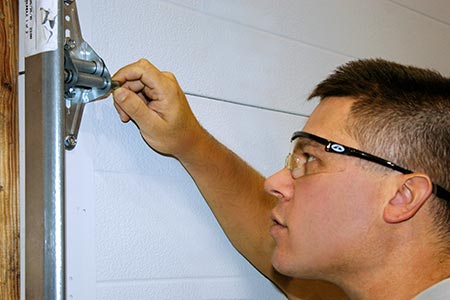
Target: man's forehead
{"x": 330, "y": 118}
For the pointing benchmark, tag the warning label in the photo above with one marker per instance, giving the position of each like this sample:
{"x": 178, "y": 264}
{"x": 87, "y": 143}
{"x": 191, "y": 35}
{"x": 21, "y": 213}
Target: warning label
{"x": 41, "y": 26}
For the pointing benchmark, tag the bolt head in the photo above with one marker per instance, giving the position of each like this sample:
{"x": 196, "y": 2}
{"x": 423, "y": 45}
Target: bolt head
{"x": 70, "y": 142}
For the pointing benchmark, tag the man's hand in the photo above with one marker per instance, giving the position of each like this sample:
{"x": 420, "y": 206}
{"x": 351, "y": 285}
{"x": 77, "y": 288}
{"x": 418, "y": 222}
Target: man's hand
{"x": 154, "y": 100}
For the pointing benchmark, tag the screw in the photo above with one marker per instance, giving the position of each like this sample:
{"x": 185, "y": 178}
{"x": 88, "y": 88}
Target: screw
{"x": 70, "y": 142}
{"x": 70, "y": 44}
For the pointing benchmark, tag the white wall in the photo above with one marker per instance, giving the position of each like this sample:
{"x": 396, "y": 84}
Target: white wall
{"x": 137, "y": 226}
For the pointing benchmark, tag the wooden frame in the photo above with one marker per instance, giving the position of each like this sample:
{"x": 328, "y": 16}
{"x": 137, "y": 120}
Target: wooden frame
{"x": 9, "y": 153}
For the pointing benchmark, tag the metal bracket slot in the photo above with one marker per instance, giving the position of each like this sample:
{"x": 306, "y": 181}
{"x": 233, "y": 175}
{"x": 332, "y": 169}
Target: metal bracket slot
{"x": 86, "y": 77}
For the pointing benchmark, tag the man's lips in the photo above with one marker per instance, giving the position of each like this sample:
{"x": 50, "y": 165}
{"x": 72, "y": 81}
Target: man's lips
{"x": 277, "y": 227}
{"x": 276, "y": 220}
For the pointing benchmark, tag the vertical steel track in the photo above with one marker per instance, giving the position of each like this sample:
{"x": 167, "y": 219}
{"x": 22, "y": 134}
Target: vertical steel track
{"x": 44, "y": 169}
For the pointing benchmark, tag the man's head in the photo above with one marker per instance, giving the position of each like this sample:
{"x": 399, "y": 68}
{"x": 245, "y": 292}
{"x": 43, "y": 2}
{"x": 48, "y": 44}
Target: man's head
{"x": 332, "y": 218}
{"x": 401, "y": 113}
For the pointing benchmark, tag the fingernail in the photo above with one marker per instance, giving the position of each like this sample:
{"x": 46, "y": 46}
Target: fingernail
{"x": 120, "y": 94}
{"x": 124, "y": 117}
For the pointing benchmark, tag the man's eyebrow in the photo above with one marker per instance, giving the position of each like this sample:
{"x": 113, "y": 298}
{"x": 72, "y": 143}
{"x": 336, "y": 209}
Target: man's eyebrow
{"x": 303, "y": 143}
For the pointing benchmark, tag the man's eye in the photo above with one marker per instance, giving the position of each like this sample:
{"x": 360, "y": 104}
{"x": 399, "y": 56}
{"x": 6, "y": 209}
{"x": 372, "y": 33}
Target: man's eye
{"x": 309, "y": 158}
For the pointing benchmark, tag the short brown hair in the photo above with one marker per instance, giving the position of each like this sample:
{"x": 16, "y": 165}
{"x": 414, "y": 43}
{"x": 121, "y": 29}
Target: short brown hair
{"x": 401, "y": 113}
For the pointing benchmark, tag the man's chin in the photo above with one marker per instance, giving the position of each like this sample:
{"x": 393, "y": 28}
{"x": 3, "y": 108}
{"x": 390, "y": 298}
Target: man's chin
{"x": 281, "y": 265}
{"x": 285, "y": 266}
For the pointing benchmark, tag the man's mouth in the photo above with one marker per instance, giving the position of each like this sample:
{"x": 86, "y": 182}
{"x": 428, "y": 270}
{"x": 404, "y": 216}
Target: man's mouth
{"x": 278, "y": 226}
{"x": 276, "y": 220}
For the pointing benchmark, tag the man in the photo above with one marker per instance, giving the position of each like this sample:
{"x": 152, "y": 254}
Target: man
{"x": 363, "y": 202}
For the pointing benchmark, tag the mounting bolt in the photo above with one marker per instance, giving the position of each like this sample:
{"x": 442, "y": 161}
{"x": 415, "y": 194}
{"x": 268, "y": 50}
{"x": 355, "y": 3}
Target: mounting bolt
{"x": 70, "y": 93}
{"x": 70, "y": 44}
{"x": 70, "y": 142}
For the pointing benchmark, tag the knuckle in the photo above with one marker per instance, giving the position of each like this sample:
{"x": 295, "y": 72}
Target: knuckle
{"x": 169, "y": 75}
{"x": 143, "y": 61}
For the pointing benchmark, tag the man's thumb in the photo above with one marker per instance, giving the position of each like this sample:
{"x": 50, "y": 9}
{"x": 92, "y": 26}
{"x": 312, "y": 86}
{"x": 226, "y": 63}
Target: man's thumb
{"x": 130, "y": 103}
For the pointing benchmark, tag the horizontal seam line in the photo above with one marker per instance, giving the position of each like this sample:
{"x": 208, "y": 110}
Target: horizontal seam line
{"x": 420, "y": 13}
{"x": 274, "y": 33}
{"x": 168, "y": 279}
{"x": 247, "y": 105}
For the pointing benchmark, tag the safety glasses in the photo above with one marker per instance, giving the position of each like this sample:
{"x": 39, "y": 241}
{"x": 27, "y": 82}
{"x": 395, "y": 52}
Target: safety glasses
{"x": 296, "y": 164}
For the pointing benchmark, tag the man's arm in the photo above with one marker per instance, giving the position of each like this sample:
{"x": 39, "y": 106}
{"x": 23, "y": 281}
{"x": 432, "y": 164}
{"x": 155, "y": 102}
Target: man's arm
{"x": 233, "y": 190}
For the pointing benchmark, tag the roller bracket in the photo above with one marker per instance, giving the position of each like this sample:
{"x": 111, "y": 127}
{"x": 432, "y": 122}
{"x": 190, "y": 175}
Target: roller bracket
{"x": 86, "y": 77}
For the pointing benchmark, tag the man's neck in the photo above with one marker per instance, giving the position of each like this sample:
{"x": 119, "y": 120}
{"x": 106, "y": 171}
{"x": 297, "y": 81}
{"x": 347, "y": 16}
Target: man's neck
{"x": 403, "y": 277}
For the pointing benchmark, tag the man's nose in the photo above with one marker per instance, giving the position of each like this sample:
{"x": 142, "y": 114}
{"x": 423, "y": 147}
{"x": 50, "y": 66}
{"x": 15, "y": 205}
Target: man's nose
{"x": 280, "y": 185}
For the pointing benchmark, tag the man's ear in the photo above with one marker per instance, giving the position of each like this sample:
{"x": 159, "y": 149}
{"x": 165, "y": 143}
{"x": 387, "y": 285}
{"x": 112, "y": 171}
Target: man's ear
{"x": 412, "y": 193}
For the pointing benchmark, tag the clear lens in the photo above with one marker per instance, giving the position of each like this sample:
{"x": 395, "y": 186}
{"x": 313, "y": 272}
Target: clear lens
{"x": 296, "y": 164}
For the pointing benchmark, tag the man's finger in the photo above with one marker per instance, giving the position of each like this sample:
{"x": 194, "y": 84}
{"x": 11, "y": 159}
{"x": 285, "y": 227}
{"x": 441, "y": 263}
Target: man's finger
{"x": 130, "y": 104}
{"x": 123, "y": 115}
{"x": 142, "y": 70}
